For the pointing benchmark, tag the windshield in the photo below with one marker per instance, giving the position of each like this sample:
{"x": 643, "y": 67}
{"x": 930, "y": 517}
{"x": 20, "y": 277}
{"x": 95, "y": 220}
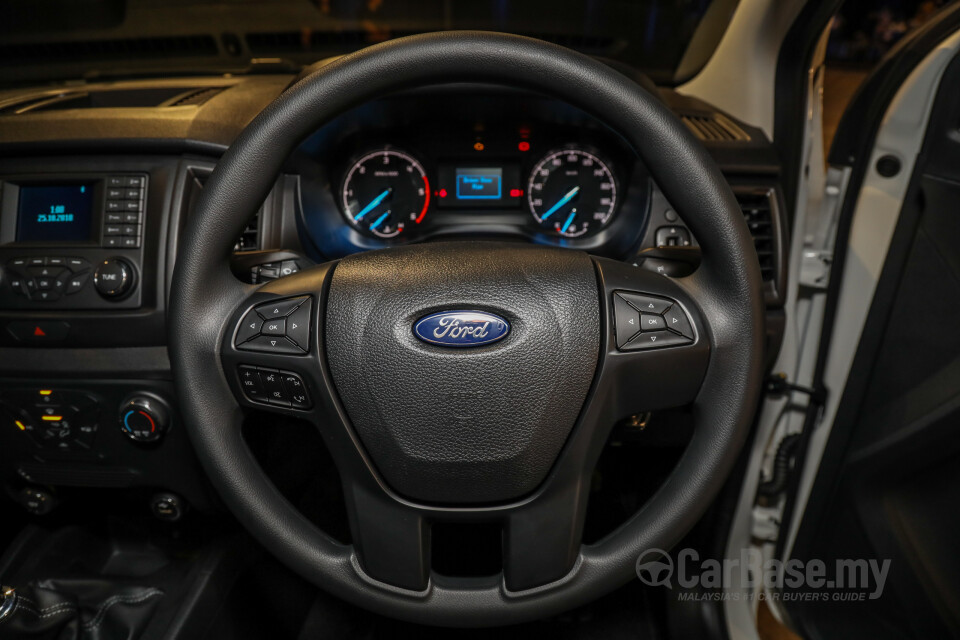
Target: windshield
{"x": 670, "y": 40}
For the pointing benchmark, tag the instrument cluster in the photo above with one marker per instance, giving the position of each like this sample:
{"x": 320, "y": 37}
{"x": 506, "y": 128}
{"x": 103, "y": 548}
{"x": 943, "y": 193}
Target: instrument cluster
{"x": 552, "y": 176}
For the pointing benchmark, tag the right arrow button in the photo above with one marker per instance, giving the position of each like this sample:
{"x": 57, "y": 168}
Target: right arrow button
{"x": 677, "y": 321}
{"x": 298, "y": 326}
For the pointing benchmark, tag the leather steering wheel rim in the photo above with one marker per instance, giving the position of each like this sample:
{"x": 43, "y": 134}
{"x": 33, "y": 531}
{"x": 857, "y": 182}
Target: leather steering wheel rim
{"x": 727, "y": 288}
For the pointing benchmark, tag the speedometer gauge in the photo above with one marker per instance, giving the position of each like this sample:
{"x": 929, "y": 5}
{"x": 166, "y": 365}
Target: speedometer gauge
{"x": 384, "y": 192}
{"x": 572, "y": 192}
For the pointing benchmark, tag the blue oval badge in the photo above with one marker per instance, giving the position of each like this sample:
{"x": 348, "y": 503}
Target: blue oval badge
{"x": 461, "y": 328}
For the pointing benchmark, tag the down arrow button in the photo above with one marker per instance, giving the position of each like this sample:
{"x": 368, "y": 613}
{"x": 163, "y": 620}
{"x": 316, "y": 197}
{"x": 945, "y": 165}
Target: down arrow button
{"x": 298, "y": 326}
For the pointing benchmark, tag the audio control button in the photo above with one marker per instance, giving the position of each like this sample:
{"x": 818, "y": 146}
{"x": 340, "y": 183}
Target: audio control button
{"x": 76, "y": 283}
{"x": 296, "y": 390}
{"x": 113, "y": 278}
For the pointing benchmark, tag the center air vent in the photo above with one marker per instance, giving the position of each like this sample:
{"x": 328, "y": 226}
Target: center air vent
{"x": 195, "y": 97}
{"x": 757, "y": 206}
{"x": 714, "y": 127}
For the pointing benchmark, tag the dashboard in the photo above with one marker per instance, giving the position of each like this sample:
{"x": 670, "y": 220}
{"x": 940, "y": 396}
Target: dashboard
{"x": 442, "y": 163}
{"x": 94, "y": 201}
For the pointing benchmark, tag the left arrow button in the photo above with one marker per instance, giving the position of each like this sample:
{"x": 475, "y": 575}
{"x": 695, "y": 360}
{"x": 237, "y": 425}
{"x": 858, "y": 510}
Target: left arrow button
{"x": 249, "y": 327}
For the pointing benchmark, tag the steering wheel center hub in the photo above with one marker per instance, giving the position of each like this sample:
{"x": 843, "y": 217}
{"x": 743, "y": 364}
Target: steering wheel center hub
{"x": 463, "y": 425}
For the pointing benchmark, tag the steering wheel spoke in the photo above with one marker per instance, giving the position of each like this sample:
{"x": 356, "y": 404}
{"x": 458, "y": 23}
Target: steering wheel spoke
{"x": 270, "y": 349}
{"x": 657, "y": 341}
{"x": 391, "y": 539}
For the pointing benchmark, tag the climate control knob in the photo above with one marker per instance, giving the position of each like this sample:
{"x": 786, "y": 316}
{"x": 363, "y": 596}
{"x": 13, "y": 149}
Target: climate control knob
{"x": 113, "y": 278}
{"x": 144, "y": 418}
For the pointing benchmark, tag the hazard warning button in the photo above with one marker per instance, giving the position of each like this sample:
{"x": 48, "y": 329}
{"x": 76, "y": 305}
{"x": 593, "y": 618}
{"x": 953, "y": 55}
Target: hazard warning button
{"x": 39, "y": 332}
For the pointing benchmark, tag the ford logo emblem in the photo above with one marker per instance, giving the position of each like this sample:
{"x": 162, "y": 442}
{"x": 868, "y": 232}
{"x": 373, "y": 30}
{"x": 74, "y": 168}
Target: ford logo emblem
{"x": 461, "y": 328}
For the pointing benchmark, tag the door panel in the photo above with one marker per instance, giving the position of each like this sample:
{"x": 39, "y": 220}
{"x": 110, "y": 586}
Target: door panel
{"x": 889, "y": 480}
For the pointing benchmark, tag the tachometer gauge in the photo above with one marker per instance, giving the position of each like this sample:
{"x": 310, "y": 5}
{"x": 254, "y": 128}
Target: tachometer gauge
{"x": 572, "y": 192}
{"x": 384, "y": 192}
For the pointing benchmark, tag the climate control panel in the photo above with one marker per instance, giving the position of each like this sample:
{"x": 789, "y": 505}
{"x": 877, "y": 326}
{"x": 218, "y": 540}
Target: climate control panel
{"x": 53, "y": 419}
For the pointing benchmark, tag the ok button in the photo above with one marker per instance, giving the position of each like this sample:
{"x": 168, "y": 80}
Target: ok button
{"x": 276, "y": 327}
{"x": 650, "y": 322}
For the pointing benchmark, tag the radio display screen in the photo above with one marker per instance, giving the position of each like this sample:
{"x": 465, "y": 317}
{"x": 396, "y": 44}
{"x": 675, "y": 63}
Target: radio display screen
{"x": 55, "y": 213}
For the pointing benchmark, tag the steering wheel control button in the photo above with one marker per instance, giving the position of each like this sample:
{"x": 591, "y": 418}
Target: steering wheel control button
{"x": 677, "y": 322}
{"x": 298, "y": 326}
{"x": 280, "y": 308}
{"x": 627, "y": 320}
{"x": 646, "y": 304}
{"x": 113, "y": 278}
{"x": 272, "y": 344}
{"x": 281, "y": 326}
{"x": 143, "y": 418}
{"x": 655, "y": 339}
{"x": 662, "y": 322}
{"x": 276, "y": 327}
{"x": 273, "y": 385}
{"x": 251, "y": 385}
{"x": 249, "y": 327}
{"x": 650, "y": 322}
{"x": 295, "y": 389}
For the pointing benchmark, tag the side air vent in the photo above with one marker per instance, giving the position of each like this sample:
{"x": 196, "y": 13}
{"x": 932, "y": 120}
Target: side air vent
{"x": 195, "y": 98}
{"x": 715, "y": 127}
{"x": 757, "y": 206}
{"x": 250, "y": 238}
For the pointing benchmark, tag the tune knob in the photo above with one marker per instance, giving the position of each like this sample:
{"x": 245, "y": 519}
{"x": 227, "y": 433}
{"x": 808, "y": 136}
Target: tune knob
{"x": 144, "y": 418}
{"x": 113, "y": 278}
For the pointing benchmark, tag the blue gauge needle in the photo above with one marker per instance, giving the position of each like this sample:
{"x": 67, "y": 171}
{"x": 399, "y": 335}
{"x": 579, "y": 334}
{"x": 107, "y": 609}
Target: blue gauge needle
{"x": 380, "y": 220}
{"x": 564, "y": 200}
{"x": 566, "y": 225}
{"x": 373, "y": 205}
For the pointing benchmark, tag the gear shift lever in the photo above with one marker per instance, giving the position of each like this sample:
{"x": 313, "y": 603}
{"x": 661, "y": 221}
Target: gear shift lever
{"x": 75, "y": 610}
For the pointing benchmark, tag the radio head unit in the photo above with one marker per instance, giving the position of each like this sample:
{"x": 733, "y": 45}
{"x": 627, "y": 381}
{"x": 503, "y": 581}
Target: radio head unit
{"x": 71, "y": 241}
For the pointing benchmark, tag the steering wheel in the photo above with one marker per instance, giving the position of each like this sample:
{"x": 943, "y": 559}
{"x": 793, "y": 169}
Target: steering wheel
{"x": 429, "y": 431}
